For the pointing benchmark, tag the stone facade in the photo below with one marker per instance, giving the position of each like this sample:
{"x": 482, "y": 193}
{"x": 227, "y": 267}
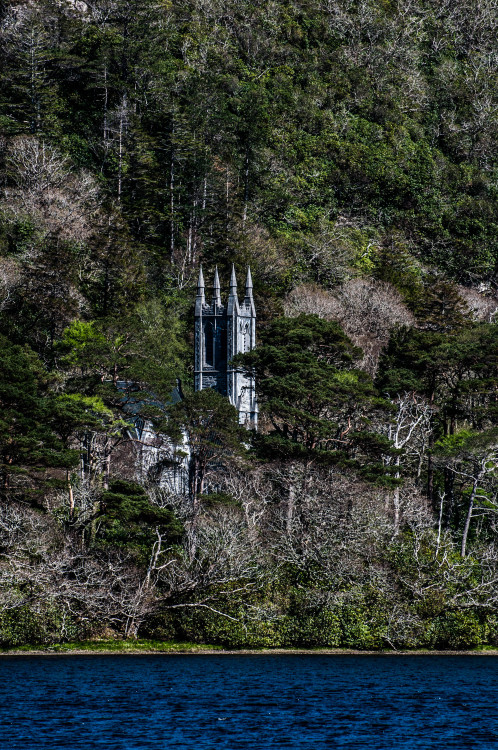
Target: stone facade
{"x": 221, "y": 332}
{"x": 145, "y": 455}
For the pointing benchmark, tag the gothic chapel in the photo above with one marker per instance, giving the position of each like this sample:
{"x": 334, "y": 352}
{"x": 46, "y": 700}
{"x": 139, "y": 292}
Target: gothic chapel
{"x": 221, "y": 332}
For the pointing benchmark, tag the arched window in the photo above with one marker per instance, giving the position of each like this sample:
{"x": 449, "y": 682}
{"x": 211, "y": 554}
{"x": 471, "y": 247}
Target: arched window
{"x": 245, "y": 343}
{"x": 221, "y": 349}
{"x": 208, "y": 344}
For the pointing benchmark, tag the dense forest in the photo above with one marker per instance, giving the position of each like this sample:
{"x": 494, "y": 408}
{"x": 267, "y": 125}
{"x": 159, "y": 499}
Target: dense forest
{"x": 347, "y": 151}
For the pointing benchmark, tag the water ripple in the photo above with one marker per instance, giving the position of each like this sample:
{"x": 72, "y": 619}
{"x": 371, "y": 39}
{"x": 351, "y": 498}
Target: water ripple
{"x": 261, "y": 702}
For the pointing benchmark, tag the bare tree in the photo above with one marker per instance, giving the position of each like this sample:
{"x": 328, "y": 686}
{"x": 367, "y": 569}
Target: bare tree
{"x": 46, "y": 188}
{"x": 409, "y": 434}
{"x": 484, "y": 468}
{"x": 252, "y": 489}
{"x": 482, "y": 302}
{"x": 366, "y": 309}
{"x": 10, "y": 275}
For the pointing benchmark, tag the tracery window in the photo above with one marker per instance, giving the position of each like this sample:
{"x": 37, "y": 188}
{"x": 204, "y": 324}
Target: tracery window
{"x": 209, "y": 343}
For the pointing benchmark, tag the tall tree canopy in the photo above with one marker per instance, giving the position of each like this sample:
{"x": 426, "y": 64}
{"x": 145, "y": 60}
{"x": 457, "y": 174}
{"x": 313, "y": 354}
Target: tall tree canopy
{"x": 317, "y": 404}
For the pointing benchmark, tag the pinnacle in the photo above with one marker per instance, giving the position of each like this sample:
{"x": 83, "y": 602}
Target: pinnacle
{"x": 233, "y": 281}
{"x": 248, "y": 283}
{"x": 216, "y": 288}
{"x": 200, "y": 283}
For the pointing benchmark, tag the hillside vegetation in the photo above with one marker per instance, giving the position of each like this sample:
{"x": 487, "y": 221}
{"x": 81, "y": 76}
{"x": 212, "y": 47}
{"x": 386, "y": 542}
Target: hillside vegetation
{"x": 347, "y": 151}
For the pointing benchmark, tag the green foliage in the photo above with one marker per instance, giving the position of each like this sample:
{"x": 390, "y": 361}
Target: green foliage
{"x": 143, "y": 349}
{"x": 448, "y": 368}
{"x": 358, "y": 628}
{"x": 318, "y": 406}
{"x": 209, "y": 424}
{"x": 330, "y": 142}
{"x": 216, "y": 499}
{"x": 459, "y": 630}
{"x": 46, "y": 625}
{"x": 129, "y": 520}
{"x": 303, "y": 121}
{"x": 33, "y": 422}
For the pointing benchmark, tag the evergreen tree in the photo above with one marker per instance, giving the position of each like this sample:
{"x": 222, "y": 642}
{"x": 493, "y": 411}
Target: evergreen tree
{"x": 34, "y": 426}
{"x": 318, "y": 406}
{"x": 208, "y": 424}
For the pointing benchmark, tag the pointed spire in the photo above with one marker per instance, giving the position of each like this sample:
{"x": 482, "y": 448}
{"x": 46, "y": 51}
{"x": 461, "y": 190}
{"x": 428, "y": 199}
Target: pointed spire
{"x": 233, "y": 300}
{"x": 200, "y": 284}
{"x": 200, "y": 300}
{"x": 233, "y": 282}
{"x": 216, "y": 288}
{"x": 248, "y": 283}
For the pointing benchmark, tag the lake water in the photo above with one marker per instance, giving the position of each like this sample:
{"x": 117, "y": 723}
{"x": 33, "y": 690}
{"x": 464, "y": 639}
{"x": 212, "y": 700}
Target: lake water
{"x": 210, "y": 702}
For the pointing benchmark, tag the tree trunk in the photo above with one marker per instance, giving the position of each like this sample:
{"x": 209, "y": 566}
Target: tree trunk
{"x": 430, "y": 474}
{"x": 246, "y": 187}
{"x": 172, "y": 197}
{"x": 397, "y": 499}
{"x": 227, "y": 202}
{"x": 469, "y": 515}
{"x": 106, "y": 100}
{"x": 120, "y": 157}
{"x": 107, "y": 463}
{"x": 291, "y": 504}
{"x": 71, "y": 495}
{"x": 440, "y": 521}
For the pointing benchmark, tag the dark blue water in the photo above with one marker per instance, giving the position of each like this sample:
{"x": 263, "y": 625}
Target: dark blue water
{"x": 276, "y": 701}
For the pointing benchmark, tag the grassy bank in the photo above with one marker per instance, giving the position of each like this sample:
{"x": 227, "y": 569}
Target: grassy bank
{"x": 145, "y": 646}
{"x": 107, "y": 646}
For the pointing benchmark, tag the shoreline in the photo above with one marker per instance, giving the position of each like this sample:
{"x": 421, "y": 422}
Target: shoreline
{"x": 240, "y": 652}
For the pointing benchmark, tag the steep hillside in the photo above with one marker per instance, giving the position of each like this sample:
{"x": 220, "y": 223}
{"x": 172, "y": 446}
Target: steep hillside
{"x": 347, "y": 151}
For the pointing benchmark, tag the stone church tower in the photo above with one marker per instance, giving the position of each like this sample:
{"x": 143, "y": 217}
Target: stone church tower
{"x": 221, "y": 332}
